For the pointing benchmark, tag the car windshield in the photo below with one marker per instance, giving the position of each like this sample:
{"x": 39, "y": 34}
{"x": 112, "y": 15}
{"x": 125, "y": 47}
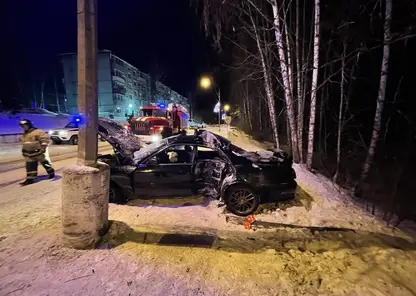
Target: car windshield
{"x": 152, "y": 148}
{"x": 72, "y": 125}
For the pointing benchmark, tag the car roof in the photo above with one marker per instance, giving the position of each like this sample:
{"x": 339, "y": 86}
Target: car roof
{"x": 187, "y": 140}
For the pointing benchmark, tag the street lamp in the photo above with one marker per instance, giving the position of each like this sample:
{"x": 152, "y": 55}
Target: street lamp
{"x": 206, "y": 83}
{"x": 226, "y": 108}
{"x": 130, "y": 105}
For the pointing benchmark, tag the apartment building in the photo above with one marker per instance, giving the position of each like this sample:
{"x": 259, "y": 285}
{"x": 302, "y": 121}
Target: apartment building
{"x": 122, "y": 88}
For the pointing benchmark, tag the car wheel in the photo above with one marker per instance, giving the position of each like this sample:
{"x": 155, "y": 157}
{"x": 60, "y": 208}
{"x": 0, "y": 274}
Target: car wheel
{"x": 116, "y": 194}
{"x": 74, "y": 140}
{"x": 241, "y": 200}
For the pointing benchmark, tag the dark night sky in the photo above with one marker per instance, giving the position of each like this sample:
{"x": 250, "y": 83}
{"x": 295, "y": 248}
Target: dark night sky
{"x": 144, "y": 33}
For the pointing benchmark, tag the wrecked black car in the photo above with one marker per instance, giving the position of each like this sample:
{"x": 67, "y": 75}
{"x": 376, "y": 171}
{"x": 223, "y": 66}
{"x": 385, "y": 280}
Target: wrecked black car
{"x": 204, "y": 163}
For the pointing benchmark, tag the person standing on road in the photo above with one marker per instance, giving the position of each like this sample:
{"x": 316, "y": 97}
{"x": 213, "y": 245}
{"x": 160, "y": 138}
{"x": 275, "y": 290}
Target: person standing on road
{"x": 34, "y": 144}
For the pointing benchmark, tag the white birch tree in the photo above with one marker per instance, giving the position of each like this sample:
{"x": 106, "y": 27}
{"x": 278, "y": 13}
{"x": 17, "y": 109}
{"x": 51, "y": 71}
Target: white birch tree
{"x": 340, "y": 112}
{"x": 300, "y": 99}
{"x": 314, "y": 87}
{"x": 285, "y": 82}
{"x": 267, "y": 80}
{"x": 380, "y": 97}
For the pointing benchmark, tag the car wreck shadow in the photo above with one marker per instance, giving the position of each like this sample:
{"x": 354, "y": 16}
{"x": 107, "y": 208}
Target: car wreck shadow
{"x": 313, "y": 239}
{"x": 171, "y": 202}
{"x": 301, "y": 199}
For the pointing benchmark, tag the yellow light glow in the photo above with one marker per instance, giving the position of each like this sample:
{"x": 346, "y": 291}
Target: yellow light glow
{"x": 205, "y": 82}
{"x": 227, "y": 108}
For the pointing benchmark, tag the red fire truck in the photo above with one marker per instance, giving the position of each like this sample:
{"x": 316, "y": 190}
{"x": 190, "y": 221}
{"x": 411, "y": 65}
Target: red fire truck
{"x": 158, "y": 119}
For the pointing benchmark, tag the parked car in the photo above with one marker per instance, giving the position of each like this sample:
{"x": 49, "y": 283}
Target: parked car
{"x": 204, "y": 163}
{"x": 194, "y": 124}
{"x": 68, "y": 134}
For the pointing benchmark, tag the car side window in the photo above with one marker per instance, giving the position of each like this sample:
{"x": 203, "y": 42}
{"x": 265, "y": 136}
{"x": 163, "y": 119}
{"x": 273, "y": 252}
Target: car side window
{"x": 176, "y": 154}
{"x": 207, "y": 153}
{"x": 153, "y": 161}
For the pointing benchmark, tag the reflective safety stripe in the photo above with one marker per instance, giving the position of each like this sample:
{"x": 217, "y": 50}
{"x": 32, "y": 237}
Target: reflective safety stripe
{"x": 48, "y": 167}
{"x": 31, "y": 175}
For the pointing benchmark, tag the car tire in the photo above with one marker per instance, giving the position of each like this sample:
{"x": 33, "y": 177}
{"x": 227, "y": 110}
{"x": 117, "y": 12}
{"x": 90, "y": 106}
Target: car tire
{"x": 73, "y": 140}
{"x": 241, "y": 200}
{"x": 116, "y": 195}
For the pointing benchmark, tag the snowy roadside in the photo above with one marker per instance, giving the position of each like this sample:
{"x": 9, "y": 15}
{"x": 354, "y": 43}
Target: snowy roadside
{"x": 319, "y": 201}
{"x": 186, "y": 247}
{"x": 161, "y": 249}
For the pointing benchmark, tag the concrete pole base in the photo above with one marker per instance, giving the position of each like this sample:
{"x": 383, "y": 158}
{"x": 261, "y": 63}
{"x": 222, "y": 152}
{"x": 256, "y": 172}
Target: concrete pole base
{"x": 85, "y": 198}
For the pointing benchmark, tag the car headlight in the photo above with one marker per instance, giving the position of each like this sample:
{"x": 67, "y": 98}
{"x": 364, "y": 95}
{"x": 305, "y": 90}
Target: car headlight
{"x": 156, "y": 137}
{"x": 63, "y": 133}
{"x": 50, "y": 132}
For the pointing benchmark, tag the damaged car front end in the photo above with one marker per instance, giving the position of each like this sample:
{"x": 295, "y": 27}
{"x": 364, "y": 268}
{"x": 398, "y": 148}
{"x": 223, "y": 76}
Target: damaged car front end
{"x": 204, "y": 163}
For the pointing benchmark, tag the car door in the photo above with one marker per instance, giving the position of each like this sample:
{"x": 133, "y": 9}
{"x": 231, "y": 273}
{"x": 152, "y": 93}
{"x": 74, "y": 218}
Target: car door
{"x": 163, "y": 175}
{"x": 209, "y": 166}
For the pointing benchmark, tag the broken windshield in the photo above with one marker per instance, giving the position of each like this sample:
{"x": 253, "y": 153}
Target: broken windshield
{"x": 152, "y": 148}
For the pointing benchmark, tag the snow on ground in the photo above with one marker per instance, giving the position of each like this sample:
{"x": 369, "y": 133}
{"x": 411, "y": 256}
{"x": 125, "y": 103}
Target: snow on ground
{"x": 186, "y": 247}
{"x": 319, "y": 202}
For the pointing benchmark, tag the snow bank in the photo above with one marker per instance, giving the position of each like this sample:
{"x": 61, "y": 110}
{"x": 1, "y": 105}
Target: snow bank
{"x": 319, "y": 202}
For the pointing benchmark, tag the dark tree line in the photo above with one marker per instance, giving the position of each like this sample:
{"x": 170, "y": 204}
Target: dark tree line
{"x": 330, "y": 81}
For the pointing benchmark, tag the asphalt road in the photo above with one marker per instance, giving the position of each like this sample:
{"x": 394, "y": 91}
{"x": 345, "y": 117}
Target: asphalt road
{"x": 11, "y": 155}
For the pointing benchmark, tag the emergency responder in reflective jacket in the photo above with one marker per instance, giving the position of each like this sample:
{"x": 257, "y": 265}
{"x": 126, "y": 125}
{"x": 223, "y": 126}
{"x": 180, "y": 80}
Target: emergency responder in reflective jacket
{"x": 34, "y": 143}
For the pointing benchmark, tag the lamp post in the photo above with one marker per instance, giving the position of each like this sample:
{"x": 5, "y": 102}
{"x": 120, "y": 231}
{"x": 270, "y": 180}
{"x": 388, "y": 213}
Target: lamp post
{"x": 87, "y": 82}
{"x": 85, "y": 186}
{"x": 206, "y": 83}
{"x": 226, "y": 109}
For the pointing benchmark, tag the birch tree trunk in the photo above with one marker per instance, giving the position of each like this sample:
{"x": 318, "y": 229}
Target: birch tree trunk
{"x": 314, "y": 86}
{"x": 267, "y": 84}
{"x": 298, "y": 53}
{"x": 286, "y": 85}
{"x": 340, "y": 114}
{"x": 289, "y": 58}
{"x": 381, "y": 95}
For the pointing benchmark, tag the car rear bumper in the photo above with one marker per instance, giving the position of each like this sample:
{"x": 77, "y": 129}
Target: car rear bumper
{"x": 279, "y": 191}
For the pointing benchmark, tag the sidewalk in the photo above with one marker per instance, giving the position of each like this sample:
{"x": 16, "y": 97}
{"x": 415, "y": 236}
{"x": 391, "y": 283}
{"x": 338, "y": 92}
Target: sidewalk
{"x": 11, "y": 153}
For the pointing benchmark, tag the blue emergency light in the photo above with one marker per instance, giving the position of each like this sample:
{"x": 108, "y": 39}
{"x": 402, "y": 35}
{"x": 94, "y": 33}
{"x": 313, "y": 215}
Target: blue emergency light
{"x": 78, "y": 119}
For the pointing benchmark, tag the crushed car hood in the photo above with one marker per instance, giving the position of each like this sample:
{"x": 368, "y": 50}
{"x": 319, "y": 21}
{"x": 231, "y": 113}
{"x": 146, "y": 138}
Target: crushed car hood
{"x": 259, "y": 157}
{"x": 122, "y": 140}
{"x": 214, "y": 141}
{"x": 265, "y": 156}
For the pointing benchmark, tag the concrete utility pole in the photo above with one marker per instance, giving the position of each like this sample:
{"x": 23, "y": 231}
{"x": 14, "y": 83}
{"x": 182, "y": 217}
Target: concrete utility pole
{"x": 87, "y": 82}
{"x": 85, "y": 187}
